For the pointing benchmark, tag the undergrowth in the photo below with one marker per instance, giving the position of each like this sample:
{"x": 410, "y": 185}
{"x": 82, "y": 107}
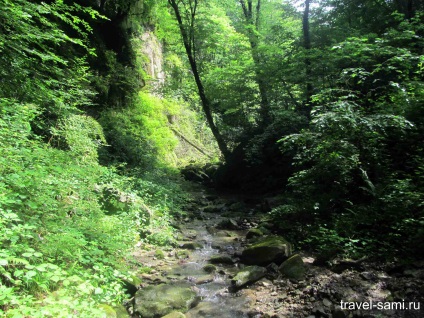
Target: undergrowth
{"x": 68, "y": 224}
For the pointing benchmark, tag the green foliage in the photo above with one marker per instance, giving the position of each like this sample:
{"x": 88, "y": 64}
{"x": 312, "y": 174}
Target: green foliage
{"x": 349, "y": 173}
{"x": 33, "y": 68}
{"x": 154, "y": 132}
{"x": 53, "y": 226}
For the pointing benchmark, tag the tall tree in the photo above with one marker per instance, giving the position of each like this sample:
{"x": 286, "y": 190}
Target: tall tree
{"x": 252, "y": 20}
{"x": 307, "y": 46}
{"x": 185, "y": 13}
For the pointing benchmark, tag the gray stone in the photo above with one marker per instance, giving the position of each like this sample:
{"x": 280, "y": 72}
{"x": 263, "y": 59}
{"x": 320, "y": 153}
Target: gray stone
{"x": 254, "y": 233}
{"x": 293, "y": 268}
{"x": 209, "y": 268}
{"x": 267, "y": 250}
{"x": 228, "y": 224}
{"x": 192, "y": 246}
{"x": 248, "y": 275}
{"x": 160, "y": 300}
{"x": 221, "y": 259}
{"x": 175, "y": 314}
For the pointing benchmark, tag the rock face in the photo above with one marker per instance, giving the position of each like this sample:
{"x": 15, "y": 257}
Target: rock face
{"x": 293, "y": 268}
{"x": 160, "y": 300}
{"x": 270, "y": 249}
{"x": 248, "y": 275}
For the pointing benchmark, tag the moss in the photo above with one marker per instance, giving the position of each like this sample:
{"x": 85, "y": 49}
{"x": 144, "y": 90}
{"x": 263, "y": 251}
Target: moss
{"x": 108, "y": 310}
{"x": 159, "y": 254}
{"x": 293, "y": 268}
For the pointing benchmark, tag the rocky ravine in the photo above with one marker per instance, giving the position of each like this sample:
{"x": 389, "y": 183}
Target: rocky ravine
{"x": 229, "y": 265}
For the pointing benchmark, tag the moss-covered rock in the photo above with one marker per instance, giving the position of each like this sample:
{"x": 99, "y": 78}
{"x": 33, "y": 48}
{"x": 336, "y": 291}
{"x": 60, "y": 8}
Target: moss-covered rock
{"x": 221, "y": 259}
{"x": 121, "y": 312}
{"x": 175, "y": 314}
{"x": 108, "y": 310}
{"x": 293, "y": 268}
{"x": 182, "y": 254}
{"x": 267, "y": 250}
{"x": 159, "y": 254}
{"x": 158, "y": 301}
{"x": 248, "y": 275}
{"x": 209, "y": 268}
{"x": 192, "y": 246}
{"x": 228, "y": 224}
{"x": 254, "y": 233}
{"x": 131, "y": 284}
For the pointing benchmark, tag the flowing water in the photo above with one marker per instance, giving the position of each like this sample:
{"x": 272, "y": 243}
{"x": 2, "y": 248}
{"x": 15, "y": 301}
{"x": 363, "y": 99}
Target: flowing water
{"x": 216, "y": 300}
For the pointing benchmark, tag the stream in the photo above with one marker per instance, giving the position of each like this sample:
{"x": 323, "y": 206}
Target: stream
{"x": 202, "y": 237}
{"x": 210, "y": 241}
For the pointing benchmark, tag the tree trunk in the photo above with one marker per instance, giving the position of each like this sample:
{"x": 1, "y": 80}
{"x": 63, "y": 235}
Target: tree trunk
{"x": 188, "y": 41}
{"x": 253, "y": 28}
{"x": 307, "y": 46}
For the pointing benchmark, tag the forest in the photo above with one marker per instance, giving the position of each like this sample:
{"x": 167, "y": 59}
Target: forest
{"x": 125, "y": 125}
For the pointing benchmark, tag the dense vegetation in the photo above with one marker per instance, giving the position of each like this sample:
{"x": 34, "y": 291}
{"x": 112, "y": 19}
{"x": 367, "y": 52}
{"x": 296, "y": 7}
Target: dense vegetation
{"x": 320, "y": 102}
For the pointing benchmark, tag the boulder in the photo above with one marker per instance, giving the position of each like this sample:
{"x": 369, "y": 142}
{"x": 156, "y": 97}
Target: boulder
{"x": 160, "y": 300}
{"x": 175, "y": 314}
{"x": 209, "y": 268}
{"x": 228, "y": 224}
{"x": 267, "y": 250}
{"x": 192, "y": 246}
{"x": 131, "y": 284}
{"x": 254, "y": 233}
{"x": 221, "y": 259}
{"x": 293, "y": 268}
{"x": 248, "y": 275}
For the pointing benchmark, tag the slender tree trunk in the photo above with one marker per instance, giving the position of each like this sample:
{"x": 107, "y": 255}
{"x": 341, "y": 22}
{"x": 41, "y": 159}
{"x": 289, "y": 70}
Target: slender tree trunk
{"x": 188, "y": 41}
{"x": 253, "y": 27}
{"x": 307, "y": 46}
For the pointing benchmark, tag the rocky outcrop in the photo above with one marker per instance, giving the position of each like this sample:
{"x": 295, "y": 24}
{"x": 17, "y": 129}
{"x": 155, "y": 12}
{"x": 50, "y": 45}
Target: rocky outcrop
{"x": 267, "y": 250}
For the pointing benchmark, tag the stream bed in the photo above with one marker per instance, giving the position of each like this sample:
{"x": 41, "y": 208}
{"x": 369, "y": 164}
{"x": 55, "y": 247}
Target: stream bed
{"x": 210, "y": 241}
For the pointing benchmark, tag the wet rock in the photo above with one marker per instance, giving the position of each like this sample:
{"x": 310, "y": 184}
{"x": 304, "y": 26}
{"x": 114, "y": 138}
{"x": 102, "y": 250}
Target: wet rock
{"x": 204, "y": 279}
{"x": 190, "y": 234}
{"x": 228, "y": 224}
{"x": 254, "y": 233}
{"x": 182, "y": 254}
{"x": 293, "y": 268}
{"x": 216, "y": 208}
{"x": 221, "y": 259}
{"x": 192, "y": 246}
{"x": 175, "y": 314}
{"x": 160, "y": 300}
{"x": 271, "y": 249}
{"x": 209, "y": 268}
{"x": 248, "y": 275}
{"x": 211, "y": 230}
